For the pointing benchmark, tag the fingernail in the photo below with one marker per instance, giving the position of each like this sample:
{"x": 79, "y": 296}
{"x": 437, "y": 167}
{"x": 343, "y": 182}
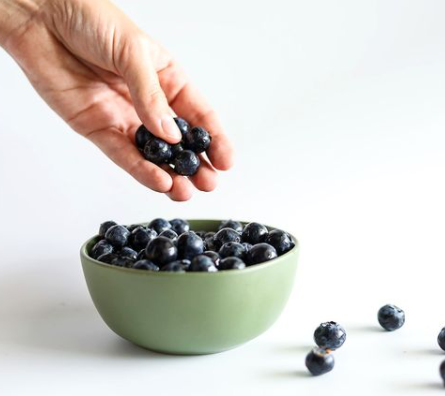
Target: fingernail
{"x": 170, "y": 128}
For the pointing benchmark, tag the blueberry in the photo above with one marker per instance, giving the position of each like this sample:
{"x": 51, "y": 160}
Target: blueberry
{"x": 117, "y": 235}
{"x": 128, "y": 253}
{"x": 234, "y": 225}
{"x": 157, "y": 151}
{"x": 232, "y": 249}
{"x": 176, "y": 149}
{"x": 330, "y": 335}
{"x": 260, "y": 253}
{"x": 141, "y": 255}
{"x": 201, "y": 234}
{"x": 210, "y": 245}
{"x": 319, "y": 361}
{"x": 226, "y": 235}
{"x": 145, "y": 265}
{"x": 280, "y": 240}
{"x": 105, "y": 226}
{"x": 161, "y": 251}
{"x": 159, "y": 225}
{"x": 100, "y": 248}
{"x": 247, "y": 246}
{"x": 174, "y": 266}
{"x": 442, "y": 371}
{"x": 180, "y": 226}
{"x": 142, "y": 136}
{"x": 140, "y": 237}
{"x": 197, "y": 140}
{"x": 189, "y": 245}
{"x": 441, "y": 339}
{"x": 122, "y": 262}
{"x": 182, "y": 124}
{"x": 132, "y": 227}
{"x": 391, "y": 317}
{"x": 170, "y": 234}
{"x": 214, "y": 256}
{"x": 186, "y": 163}
{"x": 254, "y": 233}
{"x": 107, "y": 258}
{"x": 230, "y": 263}
{"x": 202, "y": 263}
{"x": 209, "y": 234}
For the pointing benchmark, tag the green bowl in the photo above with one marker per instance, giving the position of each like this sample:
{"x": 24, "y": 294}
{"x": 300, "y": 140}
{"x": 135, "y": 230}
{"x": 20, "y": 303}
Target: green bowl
{"x": 190, "y": 313}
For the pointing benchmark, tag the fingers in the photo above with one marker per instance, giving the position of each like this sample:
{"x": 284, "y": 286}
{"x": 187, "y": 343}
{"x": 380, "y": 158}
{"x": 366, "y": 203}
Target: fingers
{"x": 136, "y": 66}
{"x": 122, "y": 151}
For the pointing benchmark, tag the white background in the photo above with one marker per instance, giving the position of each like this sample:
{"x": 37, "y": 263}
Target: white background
{"x": 336, "y": 110}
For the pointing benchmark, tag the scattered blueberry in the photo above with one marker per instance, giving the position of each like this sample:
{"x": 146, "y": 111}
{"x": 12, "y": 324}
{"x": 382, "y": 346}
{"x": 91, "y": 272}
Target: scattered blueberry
{"x": 254, "y": 233}
{"x": 230, "y": 263}
{"x": 180, "y": 226}
{"x": 202, "y": 263}
{"x": 189, "y": 245}
{"x": 159, "y": 225}
{"x": 170, "y": 234}
{"x": 140, "y": 237}
{"x": 100, "y": 248}
{"x": 198, "y": 140}
{"x": 391, "y": 317}
{"x": 232, "y": 249}
{"x": 186, "y": 163}
{"x": 105, "y": 226}
{"x": 143, "y": 135}
{"x": 330, "y": 335}
{"x": 182, "y": 124}
{"x": 234, "y": 225}
{"x": 226, "y": 235}
{"x": 117, "y": 235}
{"x": 261, "y": 252}
{"x": 174, "y": 266}
{"x": 157, "y": 151}
{"x": 280, "y": 240}
{"x": 319, "y": 361}
{"x": 161, "y": 251}
{"x": 441, "y": 339}
{"x": 128, "y": 253}
{"x": 145, "y": 265}
{"x": 214, "y": 256}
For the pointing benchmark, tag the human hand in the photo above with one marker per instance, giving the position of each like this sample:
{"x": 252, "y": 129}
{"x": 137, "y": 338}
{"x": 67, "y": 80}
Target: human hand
{"x": 104, "y": 76}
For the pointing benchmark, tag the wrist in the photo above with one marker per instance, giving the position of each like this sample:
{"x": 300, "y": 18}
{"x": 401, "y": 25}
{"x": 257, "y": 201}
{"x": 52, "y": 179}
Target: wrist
{"x": 14, "y": 17}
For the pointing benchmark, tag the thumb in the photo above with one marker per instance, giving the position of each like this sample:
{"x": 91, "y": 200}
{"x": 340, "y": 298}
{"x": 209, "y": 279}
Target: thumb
{"x": 138, "y": 70}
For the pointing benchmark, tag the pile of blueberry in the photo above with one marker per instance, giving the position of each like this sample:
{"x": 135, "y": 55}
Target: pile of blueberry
{"x": 183, "y": 156}
{"x": 171, "y": 246}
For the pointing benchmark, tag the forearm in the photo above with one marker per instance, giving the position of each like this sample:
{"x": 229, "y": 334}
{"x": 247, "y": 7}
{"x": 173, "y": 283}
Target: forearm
{"x": 15, "y": 15}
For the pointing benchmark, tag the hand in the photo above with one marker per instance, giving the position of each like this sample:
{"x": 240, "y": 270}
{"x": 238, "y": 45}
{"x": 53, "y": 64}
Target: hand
{"x": 104, "y": 76}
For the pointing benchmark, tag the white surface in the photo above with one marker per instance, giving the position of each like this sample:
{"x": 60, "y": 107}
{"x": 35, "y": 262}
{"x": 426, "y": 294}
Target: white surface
{"x": 337, "y": 113}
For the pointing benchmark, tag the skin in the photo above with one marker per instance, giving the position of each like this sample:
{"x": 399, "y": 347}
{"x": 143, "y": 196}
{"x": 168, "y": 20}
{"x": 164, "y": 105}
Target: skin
{"x": 104, "y": 76}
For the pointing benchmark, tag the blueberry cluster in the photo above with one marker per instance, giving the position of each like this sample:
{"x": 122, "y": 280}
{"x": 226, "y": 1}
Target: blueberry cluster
{"x": 171, "y": 246}
{"x": 183, "y": 156}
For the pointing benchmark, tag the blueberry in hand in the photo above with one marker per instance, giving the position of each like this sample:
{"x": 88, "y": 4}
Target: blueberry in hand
{"x": 105, "y": 226}
{"x": 330, "y": 335}
{"x": 142, "y": 136}
{"x": 117, "y": 235}
{"x": 214, "y": 256}
{"x": 202, "y": 263}
{"x": 280, "y": 240}
{"x": 197, "y": 140}
{"x": 180, "y": 226}
{"x": 170, "y": 234}
{"x": 186, "y": 163}
{"x": 441, "y": 339}
{"x": 226, "y": 235}
{"x": 391, "y": 317}
{"x": 100, "y": 248}
{"x": 176, "y": 149}
{"x": 260, "y": 253}
{"x": 157, "y": 151}
{"x": 254, "y": 233}
{"x": 234, "y": 225}
{"x": 182, "y": 124}
{"x": 319, "y": 361}
{"x": 232, "y": 249}
{"x": 122, "y": 262}
{"x": 140, "y": 237}
{"x": 145, "y": 265}
{"x": 174, "y": 266}
{"x": 189, "y": 245}
{"x": 161, "y": 251}
{"x": 107, "y": 258}
{"x": 128, "y": 253}
{"x": 230, "y": 263}
{"x": 159, "y": 225}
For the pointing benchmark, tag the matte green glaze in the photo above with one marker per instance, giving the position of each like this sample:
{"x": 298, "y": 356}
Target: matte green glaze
{"x": 190, "y": 313}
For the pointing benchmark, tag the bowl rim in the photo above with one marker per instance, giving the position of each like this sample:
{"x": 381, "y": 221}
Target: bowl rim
{"x": 249, "y": 269}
